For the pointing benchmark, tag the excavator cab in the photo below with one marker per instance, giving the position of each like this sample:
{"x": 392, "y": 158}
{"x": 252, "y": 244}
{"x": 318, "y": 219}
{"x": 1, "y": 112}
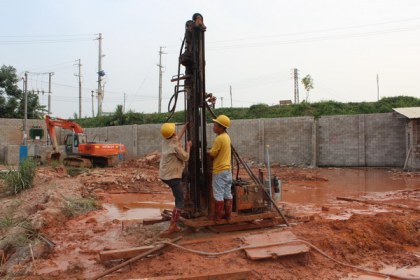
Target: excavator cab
{"x": 72, "y": 142}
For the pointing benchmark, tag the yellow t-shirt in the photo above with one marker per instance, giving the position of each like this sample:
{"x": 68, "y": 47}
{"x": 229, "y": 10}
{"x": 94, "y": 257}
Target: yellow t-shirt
{"x": 221, "y": 153}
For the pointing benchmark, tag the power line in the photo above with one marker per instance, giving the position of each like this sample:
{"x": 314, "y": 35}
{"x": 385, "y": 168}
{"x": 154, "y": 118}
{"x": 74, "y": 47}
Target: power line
{"x": 312, "y": 39}
{"x": 319, "y": 30}
{"x": 41, "y": 36}
{"x": 44, "y": 41}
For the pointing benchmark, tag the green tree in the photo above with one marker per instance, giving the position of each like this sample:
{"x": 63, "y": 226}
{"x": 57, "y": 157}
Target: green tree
{"x": 12, "y": 99}
{"x": 118, "y": 117}
{"x": 308, "y": 83}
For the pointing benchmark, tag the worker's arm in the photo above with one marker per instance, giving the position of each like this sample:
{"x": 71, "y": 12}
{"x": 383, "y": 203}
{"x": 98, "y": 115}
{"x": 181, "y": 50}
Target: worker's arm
{"x": 182, "y": 154}
{"x": 183, "y": 129}
{"x": 214, "y": 151}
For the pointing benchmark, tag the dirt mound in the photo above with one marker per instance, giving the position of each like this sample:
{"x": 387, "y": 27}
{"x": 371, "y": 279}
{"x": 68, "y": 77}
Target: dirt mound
{"x": 150, "y": 160}
{"x": 366, "y": 237}
{"x": 373, "y": 241}
{"x": 132, "y": 176}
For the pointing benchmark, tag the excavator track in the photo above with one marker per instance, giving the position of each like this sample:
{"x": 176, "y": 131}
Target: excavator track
{"x": 78, "y": 162}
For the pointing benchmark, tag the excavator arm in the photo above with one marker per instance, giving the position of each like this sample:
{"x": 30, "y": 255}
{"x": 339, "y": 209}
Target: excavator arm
{"x": 63, "y": 123}
{"x": 81, "y": 153}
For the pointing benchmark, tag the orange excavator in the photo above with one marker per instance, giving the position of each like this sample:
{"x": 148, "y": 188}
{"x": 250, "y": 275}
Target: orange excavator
{"x": 80, "y": 152}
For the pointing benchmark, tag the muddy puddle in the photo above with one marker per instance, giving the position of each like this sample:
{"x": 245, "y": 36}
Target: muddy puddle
{"x": 136, "y": 206}
{"x": 330, "y": 183}
{"x": 322, "y": 186}
{"x": 402, "y": 273}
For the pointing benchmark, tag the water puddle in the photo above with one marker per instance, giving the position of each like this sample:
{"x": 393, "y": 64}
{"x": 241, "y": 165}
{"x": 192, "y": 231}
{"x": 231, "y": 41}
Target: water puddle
{"x": 304, "y": 189}
{"x": 402, "y": 273}
{"x": 345, "y": 182}
{"x": 136, "y": 206}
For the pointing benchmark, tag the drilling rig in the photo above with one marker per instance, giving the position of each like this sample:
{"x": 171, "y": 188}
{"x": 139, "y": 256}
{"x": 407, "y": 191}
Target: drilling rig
{"x": 251, "y": 200}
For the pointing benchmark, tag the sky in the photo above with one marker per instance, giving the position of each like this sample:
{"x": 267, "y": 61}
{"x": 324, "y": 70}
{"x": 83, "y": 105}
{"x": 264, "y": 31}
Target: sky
{"x": 350, "y": 48}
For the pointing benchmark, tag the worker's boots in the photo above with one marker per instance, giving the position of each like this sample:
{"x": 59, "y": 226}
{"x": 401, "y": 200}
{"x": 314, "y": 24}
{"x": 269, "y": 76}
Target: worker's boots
{"x": 228, "y": 209}
{"x": 218, "y": 211}
{"x": 172, "y": 227}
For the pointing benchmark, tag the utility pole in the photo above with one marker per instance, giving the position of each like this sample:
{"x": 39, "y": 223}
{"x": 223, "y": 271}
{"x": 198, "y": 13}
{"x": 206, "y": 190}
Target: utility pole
{"x": 221, "y": 101}
{"x": 49, "y": 92}
{"x": 80, "y": 87}
{"x": 93, "y": 112}
{"x": 160, "y": 79}
{"x": 231, "y": 97}
{"x": 25, "y": 117}
{"x": 296, "y": 79}
{"x": 377, "y": 84}
{"x": 124, "y": 104}
{"x": 100, "y": 75}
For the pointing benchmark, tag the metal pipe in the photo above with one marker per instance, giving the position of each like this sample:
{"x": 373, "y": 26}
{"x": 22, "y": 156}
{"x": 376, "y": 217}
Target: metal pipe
{"x": 267, "y": 154}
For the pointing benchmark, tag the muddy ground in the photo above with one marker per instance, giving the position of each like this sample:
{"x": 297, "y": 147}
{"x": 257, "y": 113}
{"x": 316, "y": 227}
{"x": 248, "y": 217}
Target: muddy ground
{"x": 41, "y": 238}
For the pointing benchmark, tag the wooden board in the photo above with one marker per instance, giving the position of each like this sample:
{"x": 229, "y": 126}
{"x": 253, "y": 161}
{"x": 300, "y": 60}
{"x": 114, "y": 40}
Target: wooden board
{"x": 123, "y": 253}
{"x": 204, "y": 221}
{"x": 245, "y": 226}
{"x": 240, "y": 274}
{"x": 274, "y": 251}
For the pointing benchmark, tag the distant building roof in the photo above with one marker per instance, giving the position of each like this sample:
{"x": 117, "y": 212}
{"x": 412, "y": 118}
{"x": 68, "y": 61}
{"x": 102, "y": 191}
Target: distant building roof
{"x": 409, "y": 112}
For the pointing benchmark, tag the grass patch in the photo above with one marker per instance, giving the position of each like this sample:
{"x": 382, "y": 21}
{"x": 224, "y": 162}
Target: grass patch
{"x": 21, "y": 179}
{"x": 6, "y": 222}
{"x": 7, "y": 218}
{"x": 55, "y": 163}
{"x": 10, "y": 242}
{"x": 20, "y": 232}
{"x": 74, "y": 171}
{"x": 76, "y": 206}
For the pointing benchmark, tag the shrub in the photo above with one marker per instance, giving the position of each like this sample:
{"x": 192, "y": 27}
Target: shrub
{"x": 76, "y": 206}
{"x": 21, "y": 179}
{"x": 74, "y": 171}
{"x": 6, "y": 221}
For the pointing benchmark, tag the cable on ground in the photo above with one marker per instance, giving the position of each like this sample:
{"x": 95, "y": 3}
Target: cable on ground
{"x": 288, "y": 242}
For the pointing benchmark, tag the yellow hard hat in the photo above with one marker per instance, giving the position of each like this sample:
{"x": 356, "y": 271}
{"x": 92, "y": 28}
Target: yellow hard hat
{"x": 223, "y": 121}
{"x": 167, "y": 130}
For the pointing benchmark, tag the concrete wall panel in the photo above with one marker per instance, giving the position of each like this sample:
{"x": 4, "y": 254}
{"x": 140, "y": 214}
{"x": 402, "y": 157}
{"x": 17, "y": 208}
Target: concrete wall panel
{"x": 351, "y": 140}
{"x": 385, "y": 140}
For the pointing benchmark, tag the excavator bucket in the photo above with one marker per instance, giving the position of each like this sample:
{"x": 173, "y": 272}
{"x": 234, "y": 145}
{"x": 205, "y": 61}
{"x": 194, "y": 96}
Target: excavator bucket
{"x": 55, "y": 156}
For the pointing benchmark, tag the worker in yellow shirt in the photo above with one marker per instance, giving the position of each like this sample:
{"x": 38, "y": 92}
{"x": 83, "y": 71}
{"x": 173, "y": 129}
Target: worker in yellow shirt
{"x": 222, "y": 174}
{"x": 171, "y": 166}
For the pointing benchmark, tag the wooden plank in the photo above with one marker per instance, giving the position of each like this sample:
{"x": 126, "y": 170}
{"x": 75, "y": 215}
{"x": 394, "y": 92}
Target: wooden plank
{"x": 204, "y": 221}
{"x": 151, "y": 251}
{"x": 123, "y": 253}
{"x": 154, "y": 221}
{"x": 292, "y": 248}
{"x": 240, "y": 274}
{"x": 378, "y": 203}
{"x": 245, "y": 226}
{"x": 276, "y": 251}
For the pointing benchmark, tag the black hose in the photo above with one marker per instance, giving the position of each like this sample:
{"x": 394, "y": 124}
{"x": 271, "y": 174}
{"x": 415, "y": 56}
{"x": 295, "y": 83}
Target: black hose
{"x": 174, "y": 97}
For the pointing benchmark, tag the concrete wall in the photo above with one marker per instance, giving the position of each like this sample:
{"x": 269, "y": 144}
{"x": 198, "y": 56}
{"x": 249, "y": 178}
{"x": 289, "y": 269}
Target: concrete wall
{"x": 289, "y": 139}
{"x": 412, "y": 161}
{"x": 354, "y": 140}
{"x": 384, "y": 140}
{"x": 11, "y": 134}
{"x": 361, "y": 140}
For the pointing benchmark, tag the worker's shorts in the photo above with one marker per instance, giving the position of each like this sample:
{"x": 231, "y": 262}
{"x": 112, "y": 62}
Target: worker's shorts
{"x": 178, "y": 192}
{"x": 222, "y": 184}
